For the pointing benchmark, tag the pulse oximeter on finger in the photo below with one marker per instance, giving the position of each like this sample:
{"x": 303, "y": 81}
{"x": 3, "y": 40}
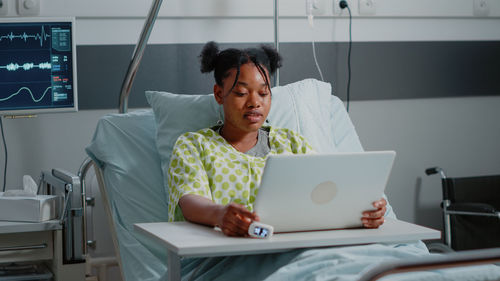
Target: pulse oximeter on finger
{"x": 260, "y": 230}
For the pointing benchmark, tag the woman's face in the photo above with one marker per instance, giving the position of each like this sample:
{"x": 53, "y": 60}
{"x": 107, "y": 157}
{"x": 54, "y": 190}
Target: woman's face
{"x": 247, "y": 105}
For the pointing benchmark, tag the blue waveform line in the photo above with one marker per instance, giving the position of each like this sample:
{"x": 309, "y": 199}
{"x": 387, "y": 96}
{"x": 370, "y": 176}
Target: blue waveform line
{"x": 39, "y": 36}
{"x": 26, "y": 66}
{"x": 31, "y": 94}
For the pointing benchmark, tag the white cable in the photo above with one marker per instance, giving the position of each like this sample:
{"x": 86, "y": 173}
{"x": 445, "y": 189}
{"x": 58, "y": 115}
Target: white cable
{"x": 310, "y": 18}
{"x": 316, "y": 60}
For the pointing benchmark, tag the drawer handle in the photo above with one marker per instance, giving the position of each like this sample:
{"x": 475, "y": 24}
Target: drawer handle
{"x": 28, "y": 247}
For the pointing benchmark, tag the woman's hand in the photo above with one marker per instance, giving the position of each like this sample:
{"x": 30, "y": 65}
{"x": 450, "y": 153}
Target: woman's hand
{"x": 234, "y": 219}
{"x": 375, "y": 218}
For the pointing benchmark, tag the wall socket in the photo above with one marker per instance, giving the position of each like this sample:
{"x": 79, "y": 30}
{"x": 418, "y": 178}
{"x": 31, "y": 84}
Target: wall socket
{"x": 481, "y": 8}
{"x": 338, "y": 11}
{"x": 317, "y": 7}
{"x": 28, "y": 7}
{"x": 4, "y": 7}
{"x": 366, "y": 7}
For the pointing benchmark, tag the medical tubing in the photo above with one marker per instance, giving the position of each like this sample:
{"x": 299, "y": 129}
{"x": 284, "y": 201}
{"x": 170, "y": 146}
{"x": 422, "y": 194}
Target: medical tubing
{"x": 316, "y": 60}
{"x": 137, "y": 56}
{"x": 6, "y": 156}
{"x": 310, "y": 18}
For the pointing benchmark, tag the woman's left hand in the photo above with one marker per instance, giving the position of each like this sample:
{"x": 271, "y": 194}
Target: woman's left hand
{"x": 375, "y": 218}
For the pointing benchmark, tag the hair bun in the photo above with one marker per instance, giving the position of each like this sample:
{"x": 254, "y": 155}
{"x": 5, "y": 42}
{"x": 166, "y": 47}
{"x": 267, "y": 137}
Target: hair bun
{"x": 208, "y": 56}
{"x": 273, "y": 56}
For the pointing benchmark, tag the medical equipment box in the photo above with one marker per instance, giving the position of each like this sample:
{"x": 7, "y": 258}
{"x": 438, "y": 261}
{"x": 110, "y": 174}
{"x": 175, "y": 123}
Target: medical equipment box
{"x": 28, "y": 209}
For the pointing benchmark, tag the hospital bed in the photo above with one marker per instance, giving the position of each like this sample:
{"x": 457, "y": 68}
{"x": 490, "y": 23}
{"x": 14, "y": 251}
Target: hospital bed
{"x": 128, "y": 150}
{"x": 131, "y": 150}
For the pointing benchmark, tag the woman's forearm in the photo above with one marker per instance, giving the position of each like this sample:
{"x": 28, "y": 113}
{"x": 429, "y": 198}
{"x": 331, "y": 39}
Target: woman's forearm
{"x": 233, "y": 219}
{"x": 199, "y": 209}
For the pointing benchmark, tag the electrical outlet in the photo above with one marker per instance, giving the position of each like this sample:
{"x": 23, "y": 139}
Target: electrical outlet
{"x": 315, "y": 7}
{"x": 366, "y": 7}
{"x": 4, "y": 7}
{"x": 481, "y": 8}
{"x": 319, "y": 7}
{"x": 339, "y": 11}
{"x": 28, "y": 7}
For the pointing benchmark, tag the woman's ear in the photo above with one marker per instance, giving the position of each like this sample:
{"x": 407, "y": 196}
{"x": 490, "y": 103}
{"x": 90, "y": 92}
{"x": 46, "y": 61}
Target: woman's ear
{"x": 218, "y": 94}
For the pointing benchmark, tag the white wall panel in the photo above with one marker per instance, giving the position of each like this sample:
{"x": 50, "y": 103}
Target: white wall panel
{"x": 258, "y": 8}
{"x": 94, "y": 8}
{"x": 199, "y": 30}
{"x": 195, "y": 21}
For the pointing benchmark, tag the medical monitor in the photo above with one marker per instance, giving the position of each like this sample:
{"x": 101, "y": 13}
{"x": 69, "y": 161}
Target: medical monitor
{"x": 37, "y": 66}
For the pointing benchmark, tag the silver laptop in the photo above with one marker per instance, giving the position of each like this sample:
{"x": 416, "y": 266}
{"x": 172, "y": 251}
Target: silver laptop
{"x": 321, "y": 191}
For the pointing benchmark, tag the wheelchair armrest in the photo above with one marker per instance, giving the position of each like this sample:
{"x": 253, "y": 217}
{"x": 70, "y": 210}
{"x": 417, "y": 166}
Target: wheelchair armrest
{"x": 472, "y": 207}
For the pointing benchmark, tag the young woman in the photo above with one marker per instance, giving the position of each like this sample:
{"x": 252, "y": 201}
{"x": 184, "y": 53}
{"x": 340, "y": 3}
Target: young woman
{"x": 214, "y": 173}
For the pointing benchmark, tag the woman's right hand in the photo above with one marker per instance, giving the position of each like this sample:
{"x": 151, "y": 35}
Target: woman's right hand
{"x": 234, "y": 219}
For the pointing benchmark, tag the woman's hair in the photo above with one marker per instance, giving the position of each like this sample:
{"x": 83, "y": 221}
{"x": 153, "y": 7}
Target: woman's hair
{"x": 212, "y": 59}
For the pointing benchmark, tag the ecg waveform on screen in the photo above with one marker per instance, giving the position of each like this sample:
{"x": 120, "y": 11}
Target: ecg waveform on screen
{"x": 26, "y": 66}
{"x": 42, "y": 36}
{"x": 30, "y": 93}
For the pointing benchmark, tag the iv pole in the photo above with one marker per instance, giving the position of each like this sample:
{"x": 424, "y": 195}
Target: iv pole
{"x": 137, "y": 56}
{"x": 276, "y": 39}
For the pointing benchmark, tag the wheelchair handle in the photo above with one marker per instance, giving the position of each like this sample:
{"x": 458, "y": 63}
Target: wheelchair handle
{"x": 435, "y": 170}
{"x": 431, "y": 171}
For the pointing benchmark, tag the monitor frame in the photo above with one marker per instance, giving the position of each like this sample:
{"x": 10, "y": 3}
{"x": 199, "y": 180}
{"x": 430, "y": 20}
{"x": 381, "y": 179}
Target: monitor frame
{"x": 35, "y": 111}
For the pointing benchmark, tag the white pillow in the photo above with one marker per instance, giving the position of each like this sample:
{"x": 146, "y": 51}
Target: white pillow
{"x": 307, "y": 107}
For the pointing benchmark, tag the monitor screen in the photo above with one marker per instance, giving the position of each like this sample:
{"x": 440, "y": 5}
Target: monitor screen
{"x": 37, "y": 66}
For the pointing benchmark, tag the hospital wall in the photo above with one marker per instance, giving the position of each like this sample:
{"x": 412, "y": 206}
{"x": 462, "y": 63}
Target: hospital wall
{"x": 446, "y": 126}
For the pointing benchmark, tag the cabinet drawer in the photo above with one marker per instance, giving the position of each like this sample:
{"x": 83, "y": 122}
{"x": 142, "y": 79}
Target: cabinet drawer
{"x": 26, "y": 246}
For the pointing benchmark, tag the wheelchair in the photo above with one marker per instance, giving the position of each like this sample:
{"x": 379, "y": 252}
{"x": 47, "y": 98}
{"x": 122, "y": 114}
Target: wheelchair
{"x": 471, "y": 212}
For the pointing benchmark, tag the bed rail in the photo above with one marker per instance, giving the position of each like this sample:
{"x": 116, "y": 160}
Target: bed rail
{"x": 82, "y": 173}
{"x": 68, "y": 186}
{"x": 455, "y": 259}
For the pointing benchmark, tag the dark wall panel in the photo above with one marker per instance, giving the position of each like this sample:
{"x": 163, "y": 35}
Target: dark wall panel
{"x": 380, "y": 70}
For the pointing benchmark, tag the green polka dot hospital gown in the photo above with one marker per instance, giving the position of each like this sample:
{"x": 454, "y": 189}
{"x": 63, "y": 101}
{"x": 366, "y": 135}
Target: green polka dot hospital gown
{"x": 204, "y": 163}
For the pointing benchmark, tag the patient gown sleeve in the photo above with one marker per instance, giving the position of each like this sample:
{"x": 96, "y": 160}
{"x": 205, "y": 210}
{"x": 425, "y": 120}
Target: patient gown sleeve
{"x": 186, "y": 174}
{"x": 289, "y": 142}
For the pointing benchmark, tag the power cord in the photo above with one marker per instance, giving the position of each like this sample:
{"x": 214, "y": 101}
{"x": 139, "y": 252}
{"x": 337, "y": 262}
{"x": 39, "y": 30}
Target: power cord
{"x": 5, "y": 150}
{"x": 343, "y": 4}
